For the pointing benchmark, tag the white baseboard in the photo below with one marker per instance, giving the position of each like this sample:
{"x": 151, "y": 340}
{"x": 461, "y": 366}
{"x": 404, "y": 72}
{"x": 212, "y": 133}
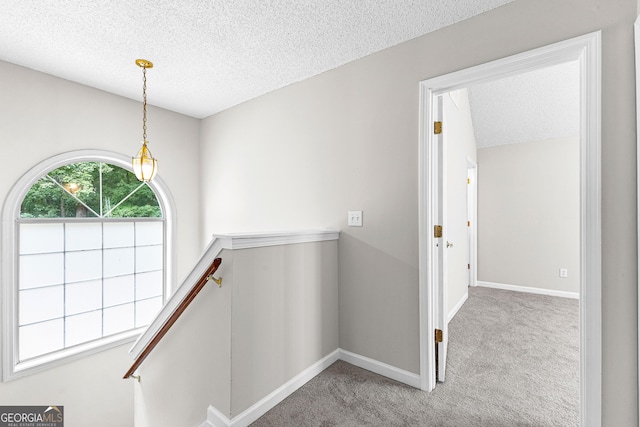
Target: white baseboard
{"x": 458, "y": 306}
{"x": 380, "y": 368}
{"x": 516, "y": 288}
{"x": 215, "y": 418}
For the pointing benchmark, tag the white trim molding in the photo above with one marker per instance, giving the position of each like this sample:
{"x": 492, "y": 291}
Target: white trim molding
{"x": 636, "y": 34}
{"x": 380, "y": 368}
{"x": 530, "y": 290}
{"x": 274, "y": 238}
{"x": 586, "y": 50}
{"x": 215, "y": 418}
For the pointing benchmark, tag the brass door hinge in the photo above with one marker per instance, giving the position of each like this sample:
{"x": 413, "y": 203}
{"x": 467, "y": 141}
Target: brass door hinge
{"x": 438, "y": 335}
{"x": 437, "y": 231}
{"x": 437, "y": 128}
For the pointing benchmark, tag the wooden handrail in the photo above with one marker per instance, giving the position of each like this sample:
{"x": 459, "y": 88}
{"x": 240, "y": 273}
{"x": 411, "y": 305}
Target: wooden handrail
{"x": 174, "y": 316}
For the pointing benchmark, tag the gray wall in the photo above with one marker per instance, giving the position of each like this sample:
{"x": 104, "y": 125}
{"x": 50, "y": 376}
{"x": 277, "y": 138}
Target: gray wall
{"x": 42, "y": 116}
{"x": 285, "y": 316}
{"x": 304, "y": 155}
{"x": 529, "y": 214}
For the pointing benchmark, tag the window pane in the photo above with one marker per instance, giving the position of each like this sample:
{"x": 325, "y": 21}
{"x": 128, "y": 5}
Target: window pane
{"x": 118, "y": 290}
{"x": 40, "y": 338}
{"x": 118, "y": 319}
{"x": 82, "y": 180}
{"x": 118, "y": 262}
{"x": 41, "y": 270}
{"x": 82, "y": 266}
{"x": 41, "y": 304}
{"x": 148, "y": 285}
{"x": 148, "y": 258}
{"x": 47, "y": 200}
{"x": 83, "y": 236}
{"x": 142, "y": 203}
{"x": 83, "y": 327}
{"x": 146, "y": 310}
{"x": 82, "y": 297}
{"x": 118, "y": 234}
{"x": 41, "y": 238}
{"x": 148, "y": 233}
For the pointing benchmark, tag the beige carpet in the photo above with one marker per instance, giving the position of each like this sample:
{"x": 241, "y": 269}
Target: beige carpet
{"x": 513, "y": 361}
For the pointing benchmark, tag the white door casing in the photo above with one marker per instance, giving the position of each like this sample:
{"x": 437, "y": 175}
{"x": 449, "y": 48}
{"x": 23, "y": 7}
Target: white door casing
{"x": 586, "y": 50}
{"x": 636, "y": 31}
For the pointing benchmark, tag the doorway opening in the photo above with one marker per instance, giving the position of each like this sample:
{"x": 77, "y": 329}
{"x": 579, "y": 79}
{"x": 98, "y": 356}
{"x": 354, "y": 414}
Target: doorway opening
{"x": 433, "y": 314}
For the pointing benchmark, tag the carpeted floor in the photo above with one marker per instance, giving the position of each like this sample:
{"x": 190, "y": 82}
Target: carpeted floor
{"x": 513, "y": 361}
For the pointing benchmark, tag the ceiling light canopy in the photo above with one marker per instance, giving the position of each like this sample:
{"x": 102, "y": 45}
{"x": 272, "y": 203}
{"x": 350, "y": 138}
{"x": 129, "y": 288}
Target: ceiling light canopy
{"x": 144, "y": 165}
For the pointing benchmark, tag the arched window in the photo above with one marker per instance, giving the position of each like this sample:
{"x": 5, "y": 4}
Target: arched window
{"x": 89, "y": 260}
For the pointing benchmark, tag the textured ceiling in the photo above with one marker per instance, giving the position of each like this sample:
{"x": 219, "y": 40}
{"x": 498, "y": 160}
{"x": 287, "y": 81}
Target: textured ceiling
{"x": 209, "y": 55}
{"x": 534, "y": 106}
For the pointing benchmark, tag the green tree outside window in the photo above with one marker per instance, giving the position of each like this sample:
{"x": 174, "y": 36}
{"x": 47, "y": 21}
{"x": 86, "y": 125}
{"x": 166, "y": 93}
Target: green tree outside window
{"x": 90, "y": 189}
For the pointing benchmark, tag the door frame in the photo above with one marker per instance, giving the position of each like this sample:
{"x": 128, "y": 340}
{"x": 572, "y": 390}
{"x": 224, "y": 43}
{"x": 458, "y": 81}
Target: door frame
{"x": 636, "y": 38}
{"x": 587, "y": 51}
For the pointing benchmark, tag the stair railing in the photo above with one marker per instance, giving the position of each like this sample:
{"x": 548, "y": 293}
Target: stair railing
{"x": 206, "y": 277}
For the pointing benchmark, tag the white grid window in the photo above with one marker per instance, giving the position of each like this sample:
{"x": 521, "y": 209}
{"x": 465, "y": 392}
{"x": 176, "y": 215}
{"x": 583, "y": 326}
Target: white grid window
{"x": 90, "y": 262}
{"x": 75, "y": 287}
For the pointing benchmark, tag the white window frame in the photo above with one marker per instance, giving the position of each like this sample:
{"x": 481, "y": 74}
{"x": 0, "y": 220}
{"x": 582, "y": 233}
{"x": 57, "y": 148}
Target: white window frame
{"x": 12, "y": 368}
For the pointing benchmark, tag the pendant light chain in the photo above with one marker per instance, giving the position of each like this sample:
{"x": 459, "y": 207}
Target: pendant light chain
{"x": 144, "y": 104}
{"x": 144, "y": 165}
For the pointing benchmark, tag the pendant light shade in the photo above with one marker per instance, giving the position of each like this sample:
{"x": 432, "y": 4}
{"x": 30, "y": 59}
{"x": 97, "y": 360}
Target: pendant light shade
{"x": 145, "y": 166}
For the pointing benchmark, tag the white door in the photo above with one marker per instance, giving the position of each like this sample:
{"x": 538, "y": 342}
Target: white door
{"x": 440, "y": 215}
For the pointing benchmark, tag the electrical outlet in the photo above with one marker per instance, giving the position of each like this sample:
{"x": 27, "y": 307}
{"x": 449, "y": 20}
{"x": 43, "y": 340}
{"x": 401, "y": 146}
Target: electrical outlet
{"x": 564, "y": 273}
{"x": 354, "y": 218}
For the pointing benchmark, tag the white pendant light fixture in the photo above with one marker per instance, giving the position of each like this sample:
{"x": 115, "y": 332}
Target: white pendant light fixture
{"x": 144, "y": 165}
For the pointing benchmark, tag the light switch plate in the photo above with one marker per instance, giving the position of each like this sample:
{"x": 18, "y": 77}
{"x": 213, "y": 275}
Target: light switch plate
{"x": 354, "y": 219}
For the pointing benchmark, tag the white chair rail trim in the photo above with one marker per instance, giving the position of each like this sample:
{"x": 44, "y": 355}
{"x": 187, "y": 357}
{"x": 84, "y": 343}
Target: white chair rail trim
{"x": 256, "y": 240}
